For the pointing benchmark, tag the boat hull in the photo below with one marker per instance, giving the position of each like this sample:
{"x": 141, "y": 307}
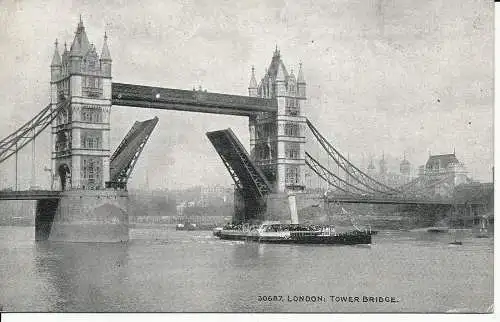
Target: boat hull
{"x": 348, "y": 238}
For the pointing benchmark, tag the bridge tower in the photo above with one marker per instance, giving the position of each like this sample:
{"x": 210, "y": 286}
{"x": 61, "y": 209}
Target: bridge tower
{"x": 86, "y": 211}
{"x": 81, "y": 151}
{"x": 277, "y": 140}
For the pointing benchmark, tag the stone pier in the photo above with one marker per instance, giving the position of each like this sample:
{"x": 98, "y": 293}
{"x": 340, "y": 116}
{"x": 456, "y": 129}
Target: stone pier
{"x": 84, "y": 216}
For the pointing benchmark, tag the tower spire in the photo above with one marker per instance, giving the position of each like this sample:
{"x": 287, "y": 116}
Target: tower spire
{"x": 300, "y": 76}
{"x": 56, "y": 59}
{"x": 105, "y": 57}
{"x": 80, "y": 45}
{"x": 252, "y": 86}
{"x": 105, "y": 54}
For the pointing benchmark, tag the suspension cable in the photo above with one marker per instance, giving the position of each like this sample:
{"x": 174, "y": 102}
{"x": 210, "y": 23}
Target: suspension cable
{"x": 15, "y": 141}
{"x": 342, "y": 162}
{"x": 315, "y": 163}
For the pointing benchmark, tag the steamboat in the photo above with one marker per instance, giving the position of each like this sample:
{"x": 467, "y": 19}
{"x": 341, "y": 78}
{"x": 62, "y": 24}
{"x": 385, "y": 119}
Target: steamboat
{"x": 293, "y": 234}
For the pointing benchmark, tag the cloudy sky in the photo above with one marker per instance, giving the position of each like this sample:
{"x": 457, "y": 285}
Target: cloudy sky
{"x": 383, "y": 75}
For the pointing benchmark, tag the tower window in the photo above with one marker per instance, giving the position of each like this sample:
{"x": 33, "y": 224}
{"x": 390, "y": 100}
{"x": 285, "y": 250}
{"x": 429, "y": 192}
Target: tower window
{"x": 292, "y": 150}
{"x": 292, "y": 107}
{"x": 292, "y": 129}
{"x": 91, "y": 114}
{"x": 92, "y": 86}
{"x": 292, "y": 175}
{"x": 91, "y": 139}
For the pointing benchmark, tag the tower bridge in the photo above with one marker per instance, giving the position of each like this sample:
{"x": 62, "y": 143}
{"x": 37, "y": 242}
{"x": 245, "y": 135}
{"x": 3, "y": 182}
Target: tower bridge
{"x": 89, "y": 199}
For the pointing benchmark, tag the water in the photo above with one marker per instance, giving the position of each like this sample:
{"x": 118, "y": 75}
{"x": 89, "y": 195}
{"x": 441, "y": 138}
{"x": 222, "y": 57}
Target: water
{"x": 169, "y": 271}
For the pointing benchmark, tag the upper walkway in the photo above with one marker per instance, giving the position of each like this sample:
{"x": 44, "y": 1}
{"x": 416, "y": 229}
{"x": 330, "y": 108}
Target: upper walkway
{"x": 189, "y": 100}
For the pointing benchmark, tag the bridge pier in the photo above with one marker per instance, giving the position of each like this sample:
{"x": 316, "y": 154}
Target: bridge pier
{"x": 45, "y": 211}
{"x": 84, "y": 216}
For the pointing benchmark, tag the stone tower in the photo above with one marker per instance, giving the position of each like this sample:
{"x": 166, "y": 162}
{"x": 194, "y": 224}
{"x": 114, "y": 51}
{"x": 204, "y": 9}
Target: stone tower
{"x": 383, "y": 166}
{"x": 81, "y": 141}
{"x": 405, "y": 167}
{"x": 277, "y": 140}
{"x": 85, "y": 211}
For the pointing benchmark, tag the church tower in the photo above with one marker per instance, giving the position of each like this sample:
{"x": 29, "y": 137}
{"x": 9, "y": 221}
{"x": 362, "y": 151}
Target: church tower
{"x": 405, "y": 166}
{"x": 277, "y": 140}
{"x": 81, "y": 79}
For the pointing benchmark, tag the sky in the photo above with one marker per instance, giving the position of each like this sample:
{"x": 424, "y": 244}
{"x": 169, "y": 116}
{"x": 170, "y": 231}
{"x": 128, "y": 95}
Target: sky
{"x": 383, "y": 76}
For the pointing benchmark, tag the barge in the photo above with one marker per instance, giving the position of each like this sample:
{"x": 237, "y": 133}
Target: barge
{"x": 293, "y": 234}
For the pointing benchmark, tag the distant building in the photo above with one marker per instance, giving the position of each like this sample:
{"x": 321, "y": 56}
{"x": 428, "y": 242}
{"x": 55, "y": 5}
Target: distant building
{"x": 371, "y": 167}
{"x": 405, "y": 167}
{"x": 383, "y": 165}
{"x": 446, "y": 164}
{"x": 421, "y": 171}
{"x": 216, "y": 195}
{"x": 386, "y": 176}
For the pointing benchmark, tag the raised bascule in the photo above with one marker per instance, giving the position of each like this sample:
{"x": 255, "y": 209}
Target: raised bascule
{"x": 88, "y": 200}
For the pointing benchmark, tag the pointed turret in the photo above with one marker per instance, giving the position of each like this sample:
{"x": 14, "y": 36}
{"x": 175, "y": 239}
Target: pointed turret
{"x": 105, "y": 58}
{"x": 301, "y": 83}
{"x": 280, "y": 80}
{"x": 281, "y": 74}
{"x": 75, "y": 50}
{"x": 252, "y": 87}
{"x": 55, "y": 65}
{"x": 300, "y": 76}
{"x": 65, "y": 54}
{"x": 105, "y": 55}
{"x": 292, "y": 84}
{"x": 80, "y": 44}
{"x": 79, "y": 48}
{"x": 56, "y": 59}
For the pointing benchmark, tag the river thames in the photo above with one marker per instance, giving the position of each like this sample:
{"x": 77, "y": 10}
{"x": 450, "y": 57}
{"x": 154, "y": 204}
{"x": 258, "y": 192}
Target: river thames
{"x": 164, "y": 270}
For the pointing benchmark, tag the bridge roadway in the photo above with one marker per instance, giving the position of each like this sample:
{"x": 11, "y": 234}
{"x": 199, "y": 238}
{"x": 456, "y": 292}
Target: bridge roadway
{"x": 29, "y": 195}
{"x": 189, "y": 100}
{"x": 397, "y": 201}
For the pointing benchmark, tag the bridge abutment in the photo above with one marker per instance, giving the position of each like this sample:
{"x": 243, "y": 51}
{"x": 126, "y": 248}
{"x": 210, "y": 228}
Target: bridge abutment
{"x": 45, "y": 212}
{"x": 84, "y": 216}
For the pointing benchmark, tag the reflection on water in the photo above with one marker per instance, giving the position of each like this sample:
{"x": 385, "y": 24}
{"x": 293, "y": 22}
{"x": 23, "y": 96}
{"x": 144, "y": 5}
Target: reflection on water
{"x": 81, "y": 275}
{"x": 170, "y": 271}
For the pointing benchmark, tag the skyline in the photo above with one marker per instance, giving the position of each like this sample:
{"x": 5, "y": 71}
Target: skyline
{"x": 368, "y": 63}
